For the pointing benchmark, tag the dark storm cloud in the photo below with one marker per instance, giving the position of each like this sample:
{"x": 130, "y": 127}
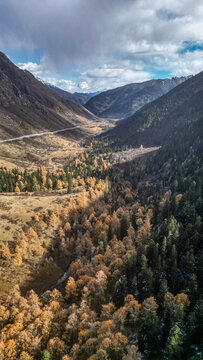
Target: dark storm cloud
{"x": 125, "y": 40}
{"x": 66, "y": 31}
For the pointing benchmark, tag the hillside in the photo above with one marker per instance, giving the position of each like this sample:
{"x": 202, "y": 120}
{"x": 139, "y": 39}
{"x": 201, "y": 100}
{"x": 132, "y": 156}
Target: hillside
{"x": 80, "y": 98}
{"x": 27, "y": 106}
{"x": 104, "y": 252}
{"x": 119, "y": 256}
{"x": 160, "y": 119}
{"x": 126, "y": 100}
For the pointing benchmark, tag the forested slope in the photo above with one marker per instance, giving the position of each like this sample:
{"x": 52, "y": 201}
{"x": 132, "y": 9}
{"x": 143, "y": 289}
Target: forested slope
{"x": 124, "y": 101}
{"x": 160, "y": 119}
{"x": 130, "y": 244}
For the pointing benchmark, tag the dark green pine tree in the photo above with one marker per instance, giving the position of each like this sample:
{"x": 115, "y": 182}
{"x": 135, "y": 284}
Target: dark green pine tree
{"x": 124, "y": 226}
{"x": 148, "y": 335}
{"x": 110, "y": 233}
{"x": 145, "y": 279}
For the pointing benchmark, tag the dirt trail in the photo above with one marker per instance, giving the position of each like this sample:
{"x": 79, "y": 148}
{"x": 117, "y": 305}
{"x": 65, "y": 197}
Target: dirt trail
{"x": 40, "y": 134}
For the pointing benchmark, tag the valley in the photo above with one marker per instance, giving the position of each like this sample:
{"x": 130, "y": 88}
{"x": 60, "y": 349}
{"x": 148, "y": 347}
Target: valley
{"x": 40, "y": 134}
{"x": 23, "y": 208}
{"x": 47, "y": 148}
{"x": 124, "y": 101}
{"x": 100, "y": 225}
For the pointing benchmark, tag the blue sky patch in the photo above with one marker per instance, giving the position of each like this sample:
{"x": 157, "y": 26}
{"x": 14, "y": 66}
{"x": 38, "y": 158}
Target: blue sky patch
{"x": 190, "y": 46}
{"x": 24, "y": 56}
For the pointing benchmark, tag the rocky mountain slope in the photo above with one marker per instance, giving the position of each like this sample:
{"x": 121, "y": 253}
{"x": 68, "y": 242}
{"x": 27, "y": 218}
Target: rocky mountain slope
{"x": 160, "y": 119}
{"x": 27, "y": 106}
{"x": 126, "y": 100}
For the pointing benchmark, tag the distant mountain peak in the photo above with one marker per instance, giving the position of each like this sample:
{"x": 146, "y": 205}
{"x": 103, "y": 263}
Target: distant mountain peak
{"x": 80, "y": 98}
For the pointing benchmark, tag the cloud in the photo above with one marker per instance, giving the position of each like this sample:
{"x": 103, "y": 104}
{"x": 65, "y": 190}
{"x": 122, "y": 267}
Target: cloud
{"x": 94, "y": 79}
{"x": 67, "y": 85}
{"x": 189, "y": 63}
{"x": 84, "y": 86}
{"x": 112, "y": 76}
{"x": 67, "y": 31}
{"x": 34, "y": 68}
{"x": 76, "y": 32}
{"x": 40, "y": 72}
{"x": 109, "y": 42}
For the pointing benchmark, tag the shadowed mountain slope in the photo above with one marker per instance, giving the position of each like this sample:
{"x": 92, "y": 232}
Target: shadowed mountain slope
{"x": 159, "y": 120}
{"x": 80, "y": 98}
{"x": 126, "y": 100}
{"x": 27, "y": 106}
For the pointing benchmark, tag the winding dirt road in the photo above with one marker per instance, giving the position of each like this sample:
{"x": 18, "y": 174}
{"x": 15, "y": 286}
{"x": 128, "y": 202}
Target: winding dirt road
{"x": 39, "y": 134}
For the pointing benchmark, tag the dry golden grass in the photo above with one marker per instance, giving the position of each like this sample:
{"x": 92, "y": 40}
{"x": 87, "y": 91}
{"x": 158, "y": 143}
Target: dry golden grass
{"x": 18, "y": 210}
{"x": 51, "y": 151}
{"x": 16, "y": 215}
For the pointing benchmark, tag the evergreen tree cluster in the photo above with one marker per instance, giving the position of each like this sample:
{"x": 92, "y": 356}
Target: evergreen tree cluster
{"x": 87, "y": 165}
{"x": 133, "y": 255}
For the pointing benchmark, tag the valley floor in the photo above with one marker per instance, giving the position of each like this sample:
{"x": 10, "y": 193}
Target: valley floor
{"x": 49, "y": 149}
{"x": 18, "y": 212}
{"x": 99, "y": 242}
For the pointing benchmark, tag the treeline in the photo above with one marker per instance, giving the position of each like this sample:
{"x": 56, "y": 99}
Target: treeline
{"x": 133, "y": 252}
{"x": 77, "y": 173}
{"x": 105, "y": 145}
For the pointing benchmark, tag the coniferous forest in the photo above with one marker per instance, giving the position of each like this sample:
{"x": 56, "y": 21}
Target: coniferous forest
{"x": 130, "y": 242}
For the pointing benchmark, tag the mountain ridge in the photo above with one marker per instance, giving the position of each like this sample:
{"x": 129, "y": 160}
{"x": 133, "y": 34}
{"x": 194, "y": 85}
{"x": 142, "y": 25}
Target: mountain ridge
{"x": 152, "y": 124}
{"x": 125, "y": 100}
{"x": 80, "y": 98}
{"x": 26, "y": 105}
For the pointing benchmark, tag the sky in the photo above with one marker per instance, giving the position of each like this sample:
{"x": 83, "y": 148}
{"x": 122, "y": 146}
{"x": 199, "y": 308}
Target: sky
{"x": 94, "y": 45}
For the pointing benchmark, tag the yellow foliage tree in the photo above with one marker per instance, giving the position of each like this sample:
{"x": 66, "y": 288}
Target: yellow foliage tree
{"x": 5, "y": 251}
{"x": 18, "y": 255}
{"x": 71, "y": 289}
{"x": 59, "y": 185}
{"x": 36, "y": 217}
{"x": 25, "y": 356}
{"x": 17, "y": 189}
{"x": 10, "y": 350}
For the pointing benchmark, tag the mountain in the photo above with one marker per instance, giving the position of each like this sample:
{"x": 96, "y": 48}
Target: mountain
{"x": 27, "y": 106}
{"x": 126, "y": 100}
{"x": 160, "y": 119}
{"x": 80, "y": 98}
{"x": 120, "y": 253}
{"x": 125, "y": 259}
